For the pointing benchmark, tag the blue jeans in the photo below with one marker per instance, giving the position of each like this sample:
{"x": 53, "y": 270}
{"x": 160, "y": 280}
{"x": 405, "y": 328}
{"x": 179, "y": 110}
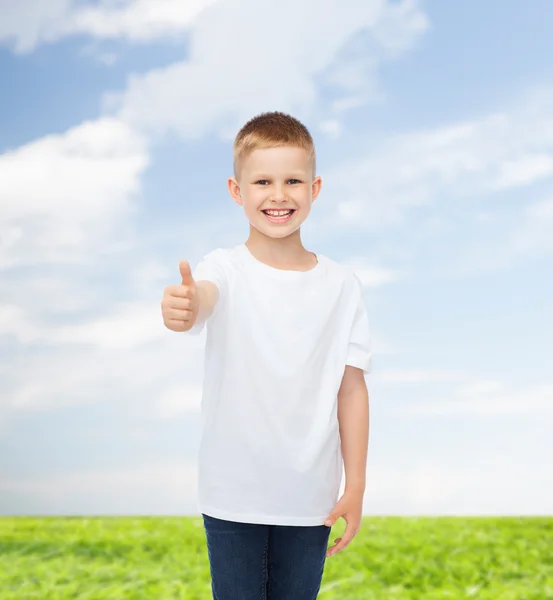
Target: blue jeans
{"x": 249, "y": 561}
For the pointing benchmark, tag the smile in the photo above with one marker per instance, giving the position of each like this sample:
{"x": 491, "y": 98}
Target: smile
{"x": 279, "y": 216}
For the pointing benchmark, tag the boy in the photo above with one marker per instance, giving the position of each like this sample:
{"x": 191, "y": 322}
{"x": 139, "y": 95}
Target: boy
{"x": 285, "y": 404}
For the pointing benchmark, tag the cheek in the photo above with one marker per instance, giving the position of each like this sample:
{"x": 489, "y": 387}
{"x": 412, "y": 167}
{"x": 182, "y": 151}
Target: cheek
{"x": 306, "y": 201}
{"x": 252, "y": 202}
{"x": 251, "y": 207}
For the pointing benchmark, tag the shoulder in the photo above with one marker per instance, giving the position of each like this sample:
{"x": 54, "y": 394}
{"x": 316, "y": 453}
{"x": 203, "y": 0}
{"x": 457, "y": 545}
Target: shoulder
{"x": 220, "y": 263}
{"x": 343, "y": 273}
{"x": 220, "y": 256}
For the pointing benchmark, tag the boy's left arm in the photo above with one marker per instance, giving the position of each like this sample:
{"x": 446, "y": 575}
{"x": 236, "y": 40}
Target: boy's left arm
{"x": 353, "y": 418}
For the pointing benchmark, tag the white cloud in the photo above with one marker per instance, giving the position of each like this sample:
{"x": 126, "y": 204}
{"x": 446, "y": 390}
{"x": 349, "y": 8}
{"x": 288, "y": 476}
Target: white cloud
{"x": 375, "y": 276}
{"x": 533, "y": 235}
{"x": 500, "y": 246}
{"x": 138, "y": 20}
{"x": 145, "y": 379}
{"x": 77, "y": 343}
{"x": 95, "y": 51}
{"x": 62, "y": 196}
{"x": 524, "y": 170}
{"x": 541, "y": 210}
{"x": 178, "y": 400}
{"x": 440, "y": 488}
{"x": 67, "y": 210}
{"x": 426, "y": 488}
{"x": 462, "y": 160}
{"x": 372, "y": 276}
{"x": 332, "y": 127}
{"x": 431, "y": 488}
{"x": 380, "y": 346}
{"x": 391, "y": 376}
{"x": 234, "y": 72}
{"x": 166, "y": 488}
{"x": 127, "y": 326}
{"x": 13, "y": 322}
{"x": 151, "y": 275}
{"x": 59, "y": 295}
{"x": 486, "y": 399}
{"x": 28, "y": 23}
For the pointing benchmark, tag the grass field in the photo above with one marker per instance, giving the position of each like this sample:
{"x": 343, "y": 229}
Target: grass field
{"x": 166, "y": 558}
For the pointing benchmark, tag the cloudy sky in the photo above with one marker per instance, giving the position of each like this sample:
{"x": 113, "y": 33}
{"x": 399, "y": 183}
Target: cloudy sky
{"x": 433, "y": 124}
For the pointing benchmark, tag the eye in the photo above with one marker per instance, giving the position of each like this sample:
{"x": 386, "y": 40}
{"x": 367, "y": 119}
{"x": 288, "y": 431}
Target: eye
{"x": 262, "y": 181}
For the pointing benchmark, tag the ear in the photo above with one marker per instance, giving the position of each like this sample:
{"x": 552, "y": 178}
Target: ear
{"x": 234, "y": 190}
{"x": 316, "y": 188}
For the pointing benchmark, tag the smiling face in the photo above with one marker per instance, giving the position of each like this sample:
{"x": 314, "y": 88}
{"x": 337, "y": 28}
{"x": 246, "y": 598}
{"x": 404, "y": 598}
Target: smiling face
{"x": 276, "y": 188}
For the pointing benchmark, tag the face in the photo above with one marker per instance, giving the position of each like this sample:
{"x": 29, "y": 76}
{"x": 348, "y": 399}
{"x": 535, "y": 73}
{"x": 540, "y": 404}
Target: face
{"x": 276, "y": 179}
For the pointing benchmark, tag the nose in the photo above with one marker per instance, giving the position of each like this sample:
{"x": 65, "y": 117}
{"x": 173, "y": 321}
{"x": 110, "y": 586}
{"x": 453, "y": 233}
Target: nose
{"x": 278, "y": 195}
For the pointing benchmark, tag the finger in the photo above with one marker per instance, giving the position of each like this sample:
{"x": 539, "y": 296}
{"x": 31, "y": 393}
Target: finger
{"x": 338, "y": 547}
{"x": 178, "y": 291}
{"x": 178, "y": 325}
{"x": 186, "y": 273}
{"x": 343, "y": 541}
{"x": 179, "y": 303}
{"x": 179, "y": 315}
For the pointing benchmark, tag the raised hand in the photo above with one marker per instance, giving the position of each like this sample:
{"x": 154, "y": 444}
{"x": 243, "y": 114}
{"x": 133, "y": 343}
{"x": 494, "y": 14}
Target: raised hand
{"x": 180, "y": 303}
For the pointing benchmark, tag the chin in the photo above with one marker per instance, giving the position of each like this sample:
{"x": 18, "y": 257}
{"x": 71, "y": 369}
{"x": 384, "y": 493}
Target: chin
{"x": 275, "y": 235}
{"x": 280, "y": 235}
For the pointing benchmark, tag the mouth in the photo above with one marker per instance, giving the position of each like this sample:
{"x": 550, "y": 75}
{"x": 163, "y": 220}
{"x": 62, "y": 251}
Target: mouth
{"x": 280, "y": 216}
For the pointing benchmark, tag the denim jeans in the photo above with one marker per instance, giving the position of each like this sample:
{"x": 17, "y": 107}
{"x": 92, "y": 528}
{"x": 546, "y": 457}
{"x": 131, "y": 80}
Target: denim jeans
{"x": 249, "y": 561}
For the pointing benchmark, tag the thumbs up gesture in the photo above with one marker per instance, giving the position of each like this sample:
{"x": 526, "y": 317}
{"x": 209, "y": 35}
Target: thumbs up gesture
{"x": 180, "y": 303}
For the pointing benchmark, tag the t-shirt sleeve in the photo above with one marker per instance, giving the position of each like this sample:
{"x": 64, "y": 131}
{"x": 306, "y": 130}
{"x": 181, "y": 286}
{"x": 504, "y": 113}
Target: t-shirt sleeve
{"x": 359, "y": 349}
{"x": 211, "y": 268}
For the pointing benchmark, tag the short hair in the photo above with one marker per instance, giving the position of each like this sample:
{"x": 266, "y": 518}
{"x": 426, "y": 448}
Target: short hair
{"x": 270, "y": 130}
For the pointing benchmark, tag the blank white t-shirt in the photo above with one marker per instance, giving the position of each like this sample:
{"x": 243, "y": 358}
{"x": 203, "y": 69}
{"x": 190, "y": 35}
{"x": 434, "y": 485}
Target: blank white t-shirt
{"x": 276, "y": 348}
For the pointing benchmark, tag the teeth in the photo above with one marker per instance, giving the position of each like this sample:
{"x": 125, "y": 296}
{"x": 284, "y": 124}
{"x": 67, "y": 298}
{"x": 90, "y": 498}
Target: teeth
{"x": 278, "y": 213}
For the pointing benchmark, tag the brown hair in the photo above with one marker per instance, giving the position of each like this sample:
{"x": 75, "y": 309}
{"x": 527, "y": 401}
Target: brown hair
{"x": 269, "y": 130}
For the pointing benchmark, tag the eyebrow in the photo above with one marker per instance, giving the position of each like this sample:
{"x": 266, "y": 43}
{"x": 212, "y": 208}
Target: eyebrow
{"x": 265, "y": 176}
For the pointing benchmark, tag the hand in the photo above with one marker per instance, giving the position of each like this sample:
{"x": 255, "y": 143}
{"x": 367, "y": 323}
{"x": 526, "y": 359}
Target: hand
{"x": 180, "y": 303}
{"x": 350, "y": 507}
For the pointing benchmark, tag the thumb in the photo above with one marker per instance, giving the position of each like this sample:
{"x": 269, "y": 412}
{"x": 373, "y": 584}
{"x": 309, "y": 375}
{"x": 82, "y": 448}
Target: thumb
{"x": 335, "y": 514}
{"x": 331, "y": 519}
{"x": 185, "y": 272}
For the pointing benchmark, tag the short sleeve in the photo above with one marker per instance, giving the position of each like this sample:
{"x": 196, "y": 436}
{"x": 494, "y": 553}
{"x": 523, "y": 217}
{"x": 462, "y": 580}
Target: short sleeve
{"x": 211, "y": 268}
{"x": 359, "y": 352}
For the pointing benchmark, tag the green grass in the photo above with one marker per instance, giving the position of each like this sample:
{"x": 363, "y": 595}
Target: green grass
{"x": 392, "y": 558}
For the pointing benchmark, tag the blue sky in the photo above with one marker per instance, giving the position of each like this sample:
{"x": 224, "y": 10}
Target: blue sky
{"x": 433, "y": 125}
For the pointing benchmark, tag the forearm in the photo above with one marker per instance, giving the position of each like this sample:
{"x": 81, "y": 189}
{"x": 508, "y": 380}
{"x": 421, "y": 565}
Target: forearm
{"x": 353, "y": 418}
{"x": 207, "y": 298}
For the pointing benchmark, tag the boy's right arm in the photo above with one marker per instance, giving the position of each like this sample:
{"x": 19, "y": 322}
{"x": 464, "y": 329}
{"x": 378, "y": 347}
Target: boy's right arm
{"x": 191, "y": 302}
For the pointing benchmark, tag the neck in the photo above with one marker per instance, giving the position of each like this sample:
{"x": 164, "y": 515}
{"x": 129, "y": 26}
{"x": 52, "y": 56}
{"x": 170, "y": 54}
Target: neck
{"x": 283, "y": 252}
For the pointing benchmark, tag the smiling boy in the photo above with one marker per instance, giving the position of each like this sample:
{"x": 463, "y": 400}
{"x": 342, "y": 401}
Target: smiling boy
{"x": 285, "y": 403}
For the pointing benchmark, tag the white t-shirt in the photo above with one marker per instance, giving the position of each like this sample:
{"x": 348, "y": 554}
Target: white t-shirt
{"x": 277, "y": 345}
